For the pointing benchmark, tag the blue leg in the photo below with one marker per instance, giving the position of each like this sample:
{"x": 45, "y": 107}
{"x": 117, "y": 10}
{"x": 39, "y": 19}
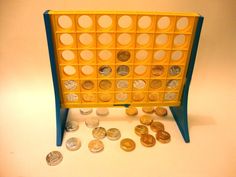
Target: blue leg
{"x": 61, "y": 116}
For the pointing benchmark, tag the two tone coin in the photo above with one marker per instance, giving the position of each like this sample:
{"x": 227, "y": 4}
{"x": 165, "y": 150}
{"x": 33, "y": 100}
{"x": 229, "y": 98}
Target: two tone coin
{"x": 113, "y": 134}
{"x": 127, "y": 144}
{"x": 54, "y": 158}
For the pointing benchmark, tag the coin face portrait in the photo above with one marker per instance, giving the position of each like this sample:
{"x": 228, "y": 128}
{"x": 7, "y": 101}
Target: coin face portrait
{"x": 54, "y": 158}
{"x": 127, "y": 144}
{"x": 174, "y": 70}
{"x": 95, "y": 146}
{"x": 141, "y": 130}
{"x": 163, "y": 136}
{"x": 123, "y": 55}
{"x": 99, "y": 132}
{"x": 70, "y": 84}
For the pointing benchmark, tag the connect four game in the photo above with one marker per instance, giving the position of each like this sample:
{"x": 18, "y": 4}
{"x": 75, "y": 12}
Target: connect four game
{"x": 108, "y": 59}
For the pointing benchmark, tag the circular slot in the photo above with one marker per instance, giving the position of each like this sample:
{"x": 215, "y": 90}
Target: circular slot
{"x": 122, "y": 70}
{"x": 144, "y": 22}
{"x": 65, "y": 21}
{"x": 124, "y": 38}
{"x": 176, "y": 55}
{"x": 105, "y": 84}
{"x": 182, "y": 23}
{"x": 123, "y": 55}
{"x": 138, "y": 96}
{"x": 179, "y": 39}
{"x": 161, "y": 39}
{"x": 121, "y": 96}
{"x": 122, "y": 84}
{"x": 87, "y": 70}
{"x": 86, "y": 55}
{"x": 105, "y": 70}
{"x": 70, "y": 84}
{"x": 170, "y": 96}
{"x": 105, "y": 97}
{"x": 163, "y": 23}
{"x": 66, "y": 39}
{"x": 141, "y": 69}
{"x": 69, "y": 70}
{"x": 155, "y": 84}
{"x": 105, "y": 38}
{"x": 88, "y": 85}
{"x": 105, "y": 54}
{"x": 125, "y": 21}
{"x": 139, "y": 84}
{"x": 68, "y": 55}
{"x": 86, "y": 39}
{"x": 174, "y": 70}
{"x": 159, "y": 55}
{"x": 85, "y": 21}
{"x": 89, "y": 97}
{"x": 71, "y": 97}
{"x": 105, "y": 21}
{"x": 141, "y": 55}
{"x": 157, "y": 70}
{"x": 153, "y": 96}
{"x": 172, "y": 84}
{"x": 143, "y": 39}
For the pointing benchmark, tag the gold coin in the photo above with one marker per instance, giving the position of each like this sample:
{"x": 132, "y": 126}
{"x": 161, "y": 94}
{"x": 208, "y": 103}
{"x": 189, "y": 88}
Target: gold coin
{"x": 138, "y": 96}
{"x": 99, "y": 132}
{"x": 131, "y": 111}
{"x": 141, "y": 130}
{"x": 89, "y": 97}
{"x": 88, "y": 85}
{"x": 127, "y": 144}
{"x": 156, "y": 126}
{"x": 105, "y": 97}
{"x": 105, "y": 84}
{"x": 161, "y": 111}
{"x": 123, "y": 55}
{"x": 157, "y": 70}
{"x": 163, "y": 136}
{"x": 146, "y": 119}
{"x": 155, "y": 84}
{"x": 54, "y": 158}
{"x": 95, "y": 146}
{"x": 148, "y": 109}
{"x": 147, "y": 140}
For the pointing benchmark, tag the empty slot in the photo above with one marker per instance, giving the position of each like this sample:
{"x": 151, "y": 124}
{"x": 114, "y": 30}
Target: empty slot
{"x": 105, "y": 70}
{"x": 122, "y": 70}
{"x": 139, "y": 84}
{"x": 141, "y": 55}
{"x": 87, "y": 85}
{"x": 125, "y": 21}
{"x": 105, "y": 38}
{"x": 72, "y": 97}
{"x": 144, "y": 22}
{"x": 155, "y": 84}
{"x": 122, "y": 84}
{"x": 69, "y": 70}
{"x": 176, "y": 55}
{"x": 124, "y": 39}
{"x": 85, "y": 21}
{"x": 141, "y": 69}
{"x": 179, "y": 39}
{"x": 66, "y": 39}
{"x": 87, "y": 70}
{"x": 162, "y": 39}
{"x": 65, "y": 21}
{"x": 182, "y": 23}
{"x": 70, "y": 84}
{"x": 159, "y": 55}
{"x": 105, "y": 54}
{"x": 143, "y": 39}
{"x": 157, "y": 70}
{"x": 86, "y": 39}
{"x": 163, "y": 23}
{"x": 105, "y": 21}
{"x": 86, "y": 55}
{"x": 105, "y": 84}
{"x": 68, "y": 55}
{"x": 122, "y": 96}
{"x": 174, "y": 70}
{"x": 123, "y": 55}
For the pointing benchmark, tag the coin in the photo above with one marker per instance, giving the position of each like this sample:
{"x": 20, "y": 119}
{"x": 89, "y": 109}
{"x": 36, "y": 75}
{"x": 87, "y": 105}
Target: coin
{"x": 138, "y": 96}
{"x": 105, "y": 97}
{"x": 89, "y": 97}
{"x": 70, "y": 84}
{"x": 73, "y": 144}
{"x": 86, "y": 111}
{"x": 122, "y": 70}
{"x": 147, "y": 140}
{"x": 54, "y": 158}
{"x": 157, "y": 70}
{"x": 113, "y": 134}
{"x": 127, "y": 144}
{"x": 170, "y": 96}
{"x": 105, "y": 84}
{"x": 161, "y": 111}
{"x": 155, "y": 84}
{"x": 105, "y": 70}
{"x": 140, "y": 130}
{"x": 153, "y": 96}
{"x": 139, "y": 84}
{"x": 146, "y": 119}
{"x": 148, "y": 109}
{"x": 121, "y": 96}
{"x": 71, "y": 126}
{"x": 123, "y": 55}
{"x": 156, "y": 126}
{"x": 172, "y": 84}
{"x": 102, "y": 111}
{"x": 72, "y": 97}
{"x": 174, "y": 70}
{"x": 88, "y": 85}
{"x": 91, "y": 122}
{"x": 95, "y": 146}
{"x": 131, "y": 111}
{"x": 163, "y": 136}
{"x": 99, "y": 132}
{"x": 122, "y": 84}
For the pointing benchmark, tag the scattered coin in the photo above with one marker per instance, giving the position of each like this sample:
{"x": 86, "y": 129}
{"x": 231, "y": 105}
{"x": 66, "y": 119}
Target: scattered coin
{"x": 156, "y": 126}
{"x": 71, "y": 126}
{"x": 161, "y": 111}
{"x": 70, "y": 84}
{"x": 155, "y": 84}
{"x": 146, "y": 119}
{"x": 86, "y": 111}
{"x": 138, "y": 96}
{"x": 73, "y": 144}
{"x": 157, "y": 70}
{"x": 127, "y": 144}
{"x": 88, "y": 85}
{"x": 91, "y": 122}
{"x": 122, "y": 70}
{"x": 148, "y": 109}
{"x": 123, "y": 55}
{"x": 54, "y": 158}
{"x": 102, "y": 111}
{"x": 105, "y": 97}
{"x": 122, "y": 84}
{"x": 105, "y": 84}
{"x": 99, "y": 132}
{"x": 172, "y": 84}
{"x": 105, "y": 70}
{"x": 174, "y": 70}
{"x": 147, "y": 140}
{"x": 95, "y": 146}
{"x": 163, "y": 136}
{"x": 113, "y": 134}
{"x": 140, "y": 130}
{"x": 131, "y": 111}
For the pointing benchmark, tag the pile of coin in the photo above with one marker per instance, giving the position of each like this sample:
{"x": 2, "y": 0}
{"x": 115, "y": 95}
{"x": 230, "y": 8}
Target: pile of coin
{"x": 159, "y": 111}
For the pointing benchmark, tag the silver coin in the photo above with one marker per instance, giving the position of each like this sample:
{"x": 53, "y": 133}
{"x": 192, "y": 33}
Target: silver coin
{"x": 95, "y": 146}
{"x": 121, "y": 96}
{"x": 72, "y": 97}
{"x": 73, "y": 144}
{"x": 170, "y": 96}
{"x": 86, "y": 111}
{"x": 139, "y": 84}
{"x": 99, "y": 132}
{"x": 70, "y": 84}
{"x": 102, "y": 111}
{"x": 113, "y": 134}
{"x": 105, "y": 70}
{"x": 91, "y": 122}
{"x": 122, "y": 70}
{"x": 54, "y": 158}
{"x": 122, "y": 84}
{"x": 172, "y": 84}
{"x": 174, "y": 70}
{"x": 71, "y": 126}
{"x": 123, "y": 55}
